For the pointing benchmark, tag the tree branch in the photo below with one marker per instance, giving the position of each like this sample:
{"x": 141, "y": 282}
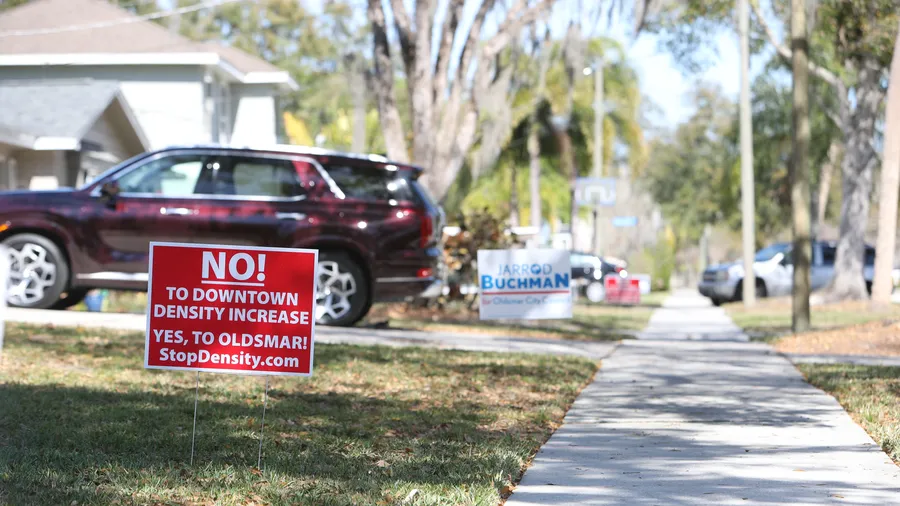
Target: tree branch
{"x": 382, "y": 81}
{"x": 404, "y": 32}
{"x": 513, "y": 23}
{"x": 465, "y": 57}
{"x": 448, "y": 32}
{"x": 787, "y": 54}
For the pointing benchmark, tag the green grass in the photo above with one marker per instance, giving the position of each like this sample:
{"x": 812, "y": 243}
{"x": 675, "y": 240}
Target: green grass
{"x": 595, "y": 322}
{"x": 870, "y": 394}
{"x": 81, "y": 421}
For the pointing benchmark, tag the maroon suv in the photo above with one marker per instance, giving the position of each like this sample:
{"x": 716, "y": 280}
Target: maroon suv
{"x": 377, "y": 231}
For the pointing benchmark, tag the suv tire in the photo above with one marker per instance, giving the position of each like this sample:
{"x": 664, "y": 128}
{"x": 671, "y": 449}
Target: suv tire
{"x": 342, "y": 290}
{"x": 761, "y": 291}
{"x": 72, "y": 297}
{"x": 39, "y": 259}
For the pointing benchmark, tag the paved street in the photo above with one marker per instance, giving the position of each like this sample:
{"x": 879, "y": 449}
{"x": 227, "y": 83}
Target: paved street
{"x": 358, "y": 336}
{"x": 705, "y": 420}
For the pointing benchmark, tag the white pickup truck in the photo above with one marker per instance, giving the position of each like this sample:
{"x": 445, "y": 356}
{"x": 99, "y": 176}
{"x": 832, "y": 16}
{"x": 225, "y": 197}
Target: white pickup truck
{"x": 774, "y": 272}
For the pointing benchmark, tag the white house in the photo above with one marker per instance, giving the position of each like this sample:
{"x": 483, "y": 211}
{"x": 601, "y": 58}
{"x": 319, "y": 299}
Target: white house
{"x": 169, "y": 90}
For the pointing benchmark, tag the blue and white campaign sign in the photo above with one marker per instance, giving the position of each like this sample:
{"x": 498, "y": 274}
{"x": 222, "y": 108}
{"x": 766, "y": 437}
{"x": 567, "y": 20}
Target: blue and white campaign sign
{"x": 528, "y": 284}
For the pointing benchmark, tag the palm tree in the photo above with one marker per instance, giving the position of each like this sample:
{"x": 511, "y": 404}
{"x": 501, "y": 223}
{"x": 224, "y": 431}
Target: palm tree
{"x": 622, "y": 132}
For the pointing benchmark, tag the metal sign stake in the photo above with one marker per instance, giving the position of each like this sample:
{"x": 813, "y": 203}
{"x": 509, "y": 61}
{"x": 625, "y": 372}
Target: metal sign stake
{"x": 194, "y": 430}
{"x": 263, "y": 425}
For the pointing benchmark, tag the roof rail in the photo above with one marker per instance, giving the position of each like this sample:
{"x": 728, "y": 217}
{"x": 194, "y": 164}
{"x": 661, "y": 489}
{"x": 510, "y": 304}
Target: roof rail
{"x": 288, "y": 148}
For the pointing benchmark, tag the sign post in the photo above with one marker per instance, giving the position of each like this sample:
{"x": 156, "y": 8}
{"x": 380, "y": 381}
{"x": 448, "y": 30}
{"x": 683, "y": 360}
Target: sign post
{"x": 231, "y": 309}
{"x": 528, "y": 284}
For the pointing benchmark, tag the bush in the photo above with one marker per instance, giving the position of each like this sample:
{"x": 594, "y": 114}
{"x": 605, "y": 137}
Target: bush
{"x": 479, "y": 230}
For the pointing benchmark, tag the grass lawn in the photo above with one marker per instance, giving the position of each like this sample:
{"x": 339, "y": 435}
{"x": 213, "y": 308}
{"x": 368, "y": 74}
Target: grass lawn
{"x": 870, "y": 394}
{"x": 590, "y": 322}
{"x": 772, "y": 317}
{"x": 82, "y": 423}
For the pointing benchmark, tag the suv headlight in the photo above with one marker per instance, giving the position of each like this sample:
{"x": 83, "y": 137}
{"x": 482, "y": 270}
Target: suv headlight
{"x": 722, "y": 276}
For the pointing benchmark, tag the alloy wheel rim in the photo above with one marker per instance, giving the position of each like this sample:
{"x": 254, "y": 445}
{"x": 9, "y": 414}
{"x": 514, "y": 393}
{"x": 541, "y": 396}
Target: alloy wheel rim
{"x": 31, "y": 274}
{"x": 334, "y": 288}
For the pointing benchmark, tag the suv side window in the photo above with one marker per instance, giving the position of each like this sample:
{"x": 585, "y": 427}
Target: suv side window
{"x": 257, "y": 177}
{"x": 371, "y": 184}
{"x": 870, "y": 257}
{"x": 169, "y": 176}
{"x": 828, "y": 255}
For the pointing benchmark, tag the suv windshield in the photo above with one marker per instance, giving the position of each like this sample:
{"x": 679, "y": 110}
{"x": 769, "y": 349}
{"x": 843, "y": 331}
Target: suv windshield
{"x": 769, "y": 252}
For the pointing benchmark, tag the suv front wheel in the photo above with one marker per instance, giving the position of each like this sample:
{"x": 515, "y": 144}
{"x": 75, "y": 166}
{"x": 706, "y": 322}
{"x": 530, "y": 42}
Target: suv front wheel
{"x": 38, "y": 272}
{"x": 342, "y": 290}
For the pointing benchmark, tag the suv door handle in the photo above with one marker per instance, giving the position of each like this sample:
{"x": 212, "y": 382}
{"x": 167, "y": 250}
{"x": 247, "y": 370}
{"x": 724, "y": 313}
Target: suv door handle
{"x": 290, "y": 216}
{"x": 176, "y": 211}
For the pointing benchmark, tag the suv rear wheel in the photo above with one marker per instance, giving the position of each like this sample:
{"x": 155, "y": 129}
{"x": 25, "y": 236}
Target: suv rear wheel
{"x": 342, "y": 290}
{"x": 38, "y": 272}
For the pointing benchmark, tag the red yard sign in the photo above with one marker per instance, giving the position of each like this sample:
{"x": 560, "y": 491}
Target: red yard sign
{"x": 231, "y": 309}
{"x": 622, "y": 291}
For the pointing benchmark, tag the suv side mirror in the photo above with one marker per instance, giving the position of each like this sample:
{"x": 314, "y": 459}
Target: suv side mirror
{"x": 109, "y": 192}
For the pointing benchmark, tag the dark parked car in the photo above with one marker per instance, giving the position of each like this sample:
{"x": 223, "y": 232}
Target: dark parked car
{"x": 588, "y": 273}
{"x": 377, "y": 230}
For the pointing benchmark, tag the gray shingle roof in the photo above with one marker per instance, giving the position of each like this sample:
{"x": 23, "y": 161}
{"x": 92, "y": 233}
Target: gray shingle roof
{"x": 122, "y": 35}
{"x": 58, "y": 108}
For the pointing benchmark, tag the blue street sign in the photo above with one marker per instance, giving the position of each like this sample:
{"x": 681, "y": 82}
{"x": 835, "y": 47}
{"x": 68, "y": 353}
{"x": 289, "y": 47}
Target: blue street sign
{"x": 625, "y": 221}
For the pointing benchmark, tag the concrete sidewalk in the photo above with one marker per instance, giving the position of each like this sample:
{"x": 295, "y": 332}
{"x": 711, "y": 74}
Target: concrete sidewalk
{"x": 687, "y": 315}
{"x": 696, "y": 422}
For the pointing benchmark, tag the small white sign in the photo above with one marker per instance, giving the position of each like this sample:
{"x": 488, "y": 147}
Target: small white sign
{"x": 528, "y": 284}
{"x": 4, "y": 281}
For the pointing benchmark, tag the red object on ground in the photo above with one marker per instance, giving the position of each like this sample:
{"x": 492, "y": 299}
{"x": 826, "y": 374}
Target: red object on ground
{"x": 231, "y": 309}
{"x": 622, "y": 290}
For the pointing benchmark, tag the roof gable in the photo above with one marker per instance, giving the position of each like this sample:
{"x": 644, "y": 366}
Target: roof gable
{"x": 96, "y": 27}
{"x": 58, "y": 109}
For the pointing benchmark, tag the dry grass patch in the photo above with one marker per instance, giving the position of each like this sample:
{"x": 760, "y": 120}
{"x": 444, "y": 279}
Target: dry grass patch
{"x": 874, "y": 338}
{"x": 772, "y": 317}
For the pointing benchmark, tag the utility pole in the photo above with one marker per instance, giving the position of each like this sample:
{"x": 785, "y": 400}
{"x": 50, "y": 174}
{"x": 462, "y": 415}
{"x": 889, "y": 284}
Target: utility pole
{"x": 598, "y": 145}
{"x": 882, "y": 286}
{"x": 748, "y": 211}
{"x": 800, "y": 207}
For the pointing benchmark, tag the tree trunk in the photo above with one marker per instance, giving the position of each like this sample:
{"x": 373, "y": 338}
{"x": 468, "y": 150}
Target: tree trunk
{"x": 856, "y": 173}
{"x": 383, "y": 84}
{"x": 358, "y": 95}
{"x": 835, "y": 154}
{"x": 882, "y": 286}
{"x": 514, "y": 196}
{"x": 748, "y": 213}
{"x": 800, "y": 208}
{"x": 534, "y": 172}
{"x": 534, "y": 141}
{"x": 569, "y": 160}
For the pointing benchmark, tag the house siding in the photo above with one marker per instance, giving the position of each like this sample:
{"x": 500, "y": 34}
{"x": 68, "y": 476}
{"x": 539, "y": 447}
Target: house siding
{"x": 44, "y": 170}
{"x": 167, "y": 100}
{"x": 255, "y": 115}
